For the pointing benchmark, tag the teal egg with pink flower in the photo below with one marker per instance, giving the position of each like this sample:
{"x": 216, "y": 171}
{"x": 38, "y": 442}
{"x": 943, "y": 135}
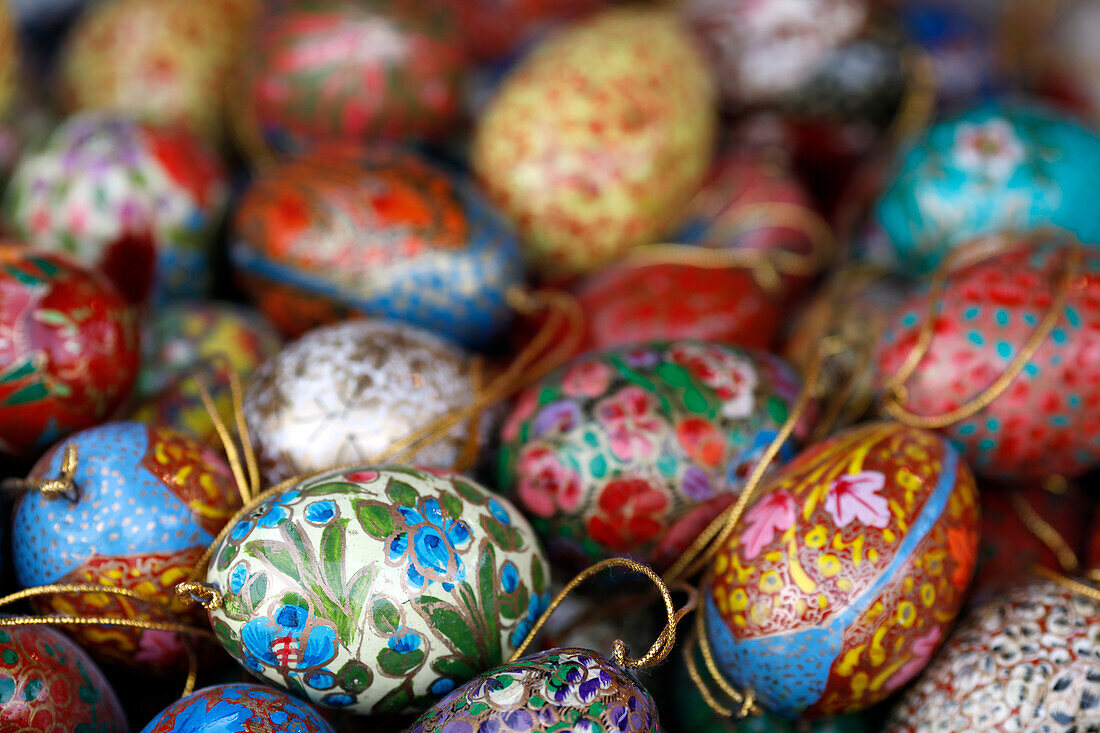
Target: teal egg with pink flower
{"x": 377, "y": 590}
{"x": 634, "y": 450}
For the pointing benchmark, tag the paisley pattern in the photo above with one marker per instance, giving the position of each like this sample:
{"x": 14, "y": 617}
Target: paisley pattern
{"x": 347, "y": 392}
{"x": 847, "y": 572}
{"x": 634, "y": 450}
{"x": 48, "y": 683}
{"x": 141, "y": 203}
{"x": 237, "y": 709}
{"x": 149, "y": 503}
{"x": 1026, "y": 660}
{"x": 68, "y": 349}
{"x": 1048, "y": 420}
{"x": 378, "y": 233}
{"x": 377, "y": 590}
{"x": 599, "y": 139}
{"x": 343, "y": 70}
{"x": 993, "y": 169}
{"x": 557, "y": 690}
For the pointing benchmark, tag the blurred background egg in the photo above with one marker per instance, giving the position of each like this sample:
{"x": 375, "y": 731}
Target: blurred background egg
{"x": 495, "y": 29}
{"x": 233, "y": 708}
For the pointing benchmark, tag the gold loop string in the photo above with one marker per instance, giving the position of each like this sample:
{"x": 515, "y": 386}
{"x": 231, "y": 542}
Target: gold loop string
{"x": 895, "y": 393}
{"x": 63, "y": 485}
{"x": 206, "y": 595}
{"x": 1044, "y": 532}
{"x": 918, "y": 104}
{"x": 745, "y": 700}
{"x": 229, "y": 445}
{"x": 1075, "y": 586}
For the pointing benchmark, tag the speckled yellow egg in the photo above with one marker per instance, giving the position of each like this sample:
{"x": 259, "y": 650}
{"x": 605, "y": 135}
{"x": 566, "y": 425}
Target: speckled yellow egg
{"x": 599, "y": 139}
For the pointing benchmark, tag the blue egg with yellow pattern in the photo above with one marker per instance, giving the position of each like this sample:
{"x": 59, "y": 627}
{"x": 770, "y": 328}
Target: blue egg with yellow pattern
{"x": 1000, "y": 167}
{"x": 386, "y": 233}
{"x": 237, "y": 708}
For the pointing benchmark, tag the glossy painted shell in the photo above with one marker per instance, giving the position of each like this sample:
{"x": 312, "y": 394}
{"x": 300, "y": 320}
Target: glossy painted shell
{"x": 236, "y": 708}
{"x": 377, "y": 590}
{"x": 1048, "y": 419}
{"x": 846, "y": 573}
{"x": 343, "y": 70}
{"x": 68, "y": 346}
{"x": 345, "y": 393}
{"x": 599, "y": 139}
{"x": 1026, "y": 660}
{"x": 995, "y": 168}
{"x": 383, "y": 233}
{"x": 141, "y": 203}
{"x": 561, "y": 689}
{"x": 149, "y": 502}
{"x": 166, "y": 62}
{"x": 633, "y": 451}
{"x": 48, "y": 683}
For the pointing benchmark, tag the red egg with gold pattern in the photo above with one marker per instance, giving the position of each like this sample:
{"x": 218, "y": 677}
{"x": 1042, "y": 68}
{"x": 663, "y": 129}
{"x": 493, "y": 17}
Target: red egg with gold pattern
{"x": 68, "y": 349}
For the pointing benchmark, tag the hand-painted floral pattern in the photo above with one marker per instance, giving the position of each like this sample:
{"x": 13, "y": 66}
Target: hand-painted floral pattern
{"x": 237, "y": 708}
{"x": 774, "y": 513}
{"x": 855, "y": 497}
{"x": 557, "y": 690}
{"x": 377, "y": 590}
{"x": 672, "y": 427}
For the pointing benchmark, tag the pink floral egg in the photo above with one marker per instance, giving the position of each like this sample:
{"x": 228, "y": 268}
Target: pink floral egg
{"x": 846, "y": 573}
{"x": 1048, "y": 419}
{"x": 634, "y": 450}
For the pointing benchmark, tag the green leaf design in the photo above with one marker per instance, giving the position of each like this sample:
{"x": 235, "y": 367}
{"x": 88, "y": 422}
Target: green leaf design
{"x": 295, "y": 535}
{"x": 228, "y": 640}
{"x": 487, "y": 580}
{"x": 30, "y": 393}
{"x": 387, "y": 618}
{"x": 456, "y": 668}
{"x": 332, "y": 552}
{"x": 507, "y": 538}
{"x": 276, "y": 555}
{"x": 354, "y": 677}
{"x": 394, "y": 702}
{"x": 359, "y": 590}
{"x": 402, "y": 493}
{"x": 376, "y": 519}
{"x": 397, "y": 664}
{"x": 257, "y": 590}
{"x": 469, "y": 493}
{"x": 514, "y": 605}
{"x": 447, "y": 621}
{"x": 452, "y": 504}
{"x": 52, "y": 317}
{"x": 538, "y": 575}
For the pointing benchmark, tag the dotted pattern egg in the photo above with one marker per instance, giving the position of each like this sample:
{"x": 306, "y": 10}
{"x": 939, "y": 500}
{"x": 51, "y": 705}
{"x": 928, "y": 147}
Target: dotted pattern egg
{"x": 1048, "y": 419}
{"x": 846, "y": 573}
{"x": 377, "y": 590}
{"x": 141, "y": 203}
{"x": 633, "y": 451}
{"x": 150, "y": 501}
{"x": 347, "y": 231}
{"x": 237, "y": 709}
{"x": 1027, "y": 660}
{"x": 599, "y": 139}
{"x": 561, "y": 689}
{"x": 48, "y": 683}
{"x": 68, "y": 346}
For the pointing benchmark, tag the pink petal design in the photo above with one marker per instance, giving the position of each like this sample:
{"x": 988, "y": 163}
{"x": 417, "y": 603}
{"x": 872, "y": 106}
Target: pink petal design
{"x": 774, "y": 513}
{"x": 855, "y": 497}
{"x": 922, "y": 652}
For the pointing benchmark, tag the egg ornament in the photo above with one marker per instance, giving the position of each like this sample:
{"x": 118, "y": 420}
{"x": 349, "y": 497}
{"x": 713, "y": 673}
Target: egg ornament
{"x": 48, "y": 683}
{"x": 148, "y": 502}
{"x": 68, "y": 345}
{"x": 377, "y": 590}
{"x": 139, "y": 202}
{"x": 166, "y": 62}
{"x": 345, "y": 393}
{"x": 341, "y": 70}
{"x": 233, "y": 708}
{"x": 1025, "y": 660}
{"x": 496, "y": 30}
{"x": 1000, "y": 167}
{"x": 347, "y": 231}
{"x": 214, "y": 341}
{"x": 846, "y": 573}
{"x": 560, "y": 689}
{"x": 634, "y": 450}
{"x": 1047, "y": 419}
{"x": 599, "y": 139}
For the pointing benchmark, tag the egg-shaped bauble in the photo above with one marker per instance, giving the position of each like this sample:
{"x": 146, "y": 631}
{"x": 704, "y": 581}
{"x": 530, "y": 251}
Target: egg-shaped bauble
{"x": 235, "y": 708}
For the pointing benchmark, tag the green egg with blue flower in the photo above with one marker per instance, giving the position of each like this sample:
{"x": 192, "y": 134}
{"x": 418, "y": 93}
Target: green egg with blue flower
{"x": 377, "y": 590}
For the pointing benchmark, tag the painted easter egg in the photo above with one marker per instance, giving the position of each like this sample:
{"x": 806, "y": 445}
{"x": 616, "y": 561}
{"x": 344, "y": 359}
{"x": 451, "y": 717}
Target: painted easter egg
{"x": 48, "y": 683}
{"x": 68, "y": 345}
{"x": 381, "y": 233}
{"x": 166, "y": 62}
{"x": 599, "y": 139}
{"x": 847, "y": 571}
{"x": 345, "y": 393}
{"x": 9, "y": 59}
{"x": 343, "y": 70}
{"x": 141, "y": 203}
{"x": 496, "y": 28}
{"x": 236, "y": 708}
{"x": 1026, "y": 660}
{"x": 634, "y": 450}
{"x": 148, "y": 503}
{"x": 561, "y": 689}
{"x": 1048, "y": 418}
{"x": 377, "y": 590}
{"x": 996, "y": 168}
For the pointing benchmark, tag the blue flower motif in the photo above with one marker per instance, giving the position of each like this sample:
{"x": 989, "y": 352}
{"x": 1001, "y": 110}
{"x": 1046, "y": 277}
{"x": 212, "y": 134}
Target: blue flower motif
{"x": 499, "y": 513}
{"x": 404, "y": 642}
{"x": 741, "y": 466}
{"x": 535, "y": 608}
{"x": 435, "y": 543}
{"x": 442, "y": 686}
{"x": 509, "y": 577}
{"x": 269, "y": 514}
{"x": 238, "y": 577}
{"x": 321, "y": 512}
{"x": 225, "y": 715}
{"x": 289, "y": 644}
